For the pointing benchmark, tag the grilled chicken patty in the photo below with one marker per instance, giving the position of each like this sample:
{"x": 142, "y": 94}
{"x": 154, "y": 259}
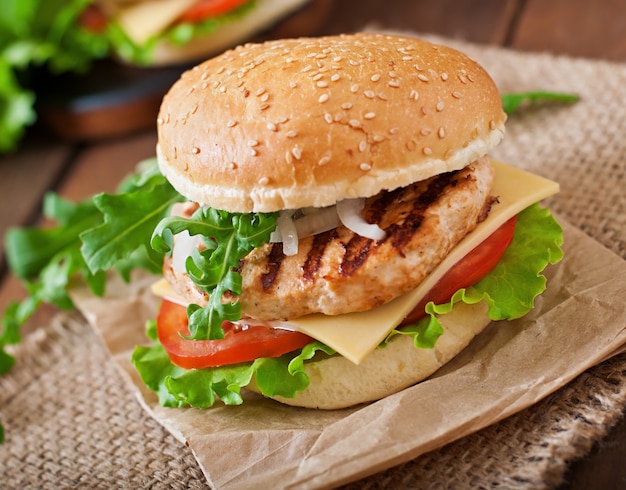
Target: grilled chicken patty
{"x": 338, "y": 271}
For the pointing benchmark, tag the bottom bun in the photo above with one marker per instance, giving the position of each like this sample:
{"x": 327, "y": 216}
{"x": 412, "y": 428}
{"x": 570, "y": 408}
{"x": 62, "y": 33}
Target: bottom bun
{"x": 338, "y": 383}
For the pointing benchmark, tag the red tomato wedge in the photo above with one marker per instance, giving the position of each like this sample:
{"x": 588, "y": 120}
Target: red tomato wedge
{"x": 253, "y": 342}
{"x": 467, "y": 271}
{"x": 238, "y": 344}
{"x": 204, "y": 9}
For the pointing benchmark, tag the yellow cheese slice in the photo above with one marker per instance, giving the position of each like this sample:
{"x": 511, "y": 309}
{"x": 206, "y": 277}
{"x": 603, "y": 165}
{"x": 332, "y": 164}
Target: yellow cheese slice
{"x": 355, "y": 335}
{"x": 143, "y": 20}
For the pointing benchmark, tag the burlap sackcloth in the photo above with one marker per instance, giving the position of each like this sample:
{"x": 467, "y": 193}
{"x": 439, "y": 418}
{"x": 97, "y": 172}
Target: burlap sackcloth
{"x": 70, "y": 421}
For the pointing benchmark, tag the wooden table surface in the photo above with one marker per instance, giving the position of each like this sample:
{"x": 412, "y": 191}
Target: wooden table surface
{"x": 595, "y": 29}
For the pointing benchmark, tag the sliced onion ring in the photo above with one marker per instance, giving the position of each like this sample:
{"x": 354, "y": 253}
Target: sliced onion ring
{"x": 184, "y": 245}
{"x": 350, "y": 214}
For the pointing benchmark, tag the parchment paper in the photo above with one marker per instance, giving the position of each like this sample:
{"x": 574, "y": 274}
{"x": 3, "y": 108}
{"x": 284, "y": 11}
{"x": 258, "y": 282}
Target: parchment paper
{"x": 579, "y": 321}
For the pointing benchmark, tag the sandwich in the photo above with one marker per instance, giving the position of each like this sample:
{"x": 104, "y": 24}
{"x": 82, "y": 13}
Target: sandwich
{"x": 340, "y": 231}
{"x": 168, "y": 32}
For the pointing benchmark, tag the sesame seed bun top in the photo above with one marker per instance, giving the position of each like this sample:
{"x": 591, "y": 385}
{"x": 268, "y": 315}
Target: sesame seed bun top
{"x": 311, "y": 121}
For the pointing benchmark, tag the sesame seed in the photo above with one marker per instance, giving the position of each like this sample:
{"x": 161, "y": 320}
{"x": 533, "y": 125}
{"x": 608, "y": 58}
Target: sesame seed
{"x": 322, "y": 84}
{"x": 306, "y": 68}
{"x": 407, "y": 58}
{"x": 444, "y": 76}
{"x": 377, "y": 138}
{"x": 375, "y": 77}
{"x": 323, "y": 98}
{"x": 253, "y": 152}
{"x": 335, "y": 77}
{"x": 289, "y": 60}
{"x": 204, "y": 76}
{"x": 427, "y": 151}
{"x": 271, "y": 126}
{"x": 394, "y": 130}
{"x": 392, "y": 74}
{"x": 292, "y": 134}
{"x": 418, "y": 67}
{"x": 354, "y": 88}
{"x": 264, "y": 181}
{"x": 233, "y": 165}
{"x": 365, "y": 166}
{"x": 463, "y": 78}
{"x": 393, "y": 83}
{"x": 296, "y": 151}
{"x": 369, "y": 94}
{"x": 425, "y": 131}
{"x": 369, "y": 115}
{"x": 354, "y": 63}
{"x": 260, "y": 92}
{"x": 317, "y": 76}
{"x": 492, "y": 125}
{"x": 265, "y": 97}
{"x": 324, "y": 160}
{"x": 160, "y": 121}
{"x": 441, "y": 133}
{"x": 195, "y": 150}
{"x": 282, "y": 120}
{"x": 440, "y": 106}
{"x": 411, "y": 145}
{"x": 424, "y": 110}
{"x": 231, "y": 124}
{"x": 354, "y": 123}
{"x": 253, "y": 143}
{"x": 414, "y": 95}
{"x": 264, "y": 106}
{"x": 381, "y": 96}
{"x": 328, "y": 117}
{"x": 346, "y": 105}
{"x": 422, "y": 77}
{"x": 362, "y": 145}
{"x": 222, "y": 89}
{"x": 457, "y": 95}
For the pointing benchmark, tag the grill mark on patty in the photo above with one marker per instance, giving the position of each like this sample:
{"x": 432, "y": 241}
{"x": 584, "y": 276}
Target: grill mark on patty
{"x": 316, "y": 253}
{"x": 399, "y": 234}
{"x": 356, "y": 253}
{"x": 274, "y": 261}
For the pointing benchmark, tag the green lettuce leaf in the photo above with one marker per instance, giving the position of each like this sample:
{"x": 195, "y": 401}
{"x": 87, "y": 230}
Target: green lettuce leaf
{"x": 509, "y": 290}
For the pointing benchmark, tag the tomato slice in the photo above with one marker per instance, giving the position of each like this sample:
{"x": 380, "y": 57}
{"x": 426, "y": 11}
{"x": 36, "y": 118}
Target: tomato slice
{"x": 467, "y": 271}
{"x": 238, "y": 345}
{"x": 204, "y": 9}
{"x": 93, "y": 19}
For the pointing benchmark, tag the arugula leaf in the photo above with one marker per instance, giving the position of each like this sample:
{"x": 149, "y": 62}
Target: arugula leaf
{"x": 45, "y": 259}
{"x": 512, "y": 102}
{"x": 228, "y": 238}
{"x": 129, "y": 219}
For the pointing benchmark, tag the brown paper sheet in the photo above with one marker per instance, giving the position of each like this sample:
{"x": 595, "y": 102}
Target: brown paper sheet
{"x": 578, "y": 322}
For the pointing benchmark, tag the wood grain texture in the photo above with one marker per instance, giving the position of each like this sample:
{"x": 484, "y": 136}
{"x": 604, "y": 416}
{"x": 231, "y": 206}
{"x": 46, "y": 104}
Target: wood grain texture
{"x": 573, "y": 27}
